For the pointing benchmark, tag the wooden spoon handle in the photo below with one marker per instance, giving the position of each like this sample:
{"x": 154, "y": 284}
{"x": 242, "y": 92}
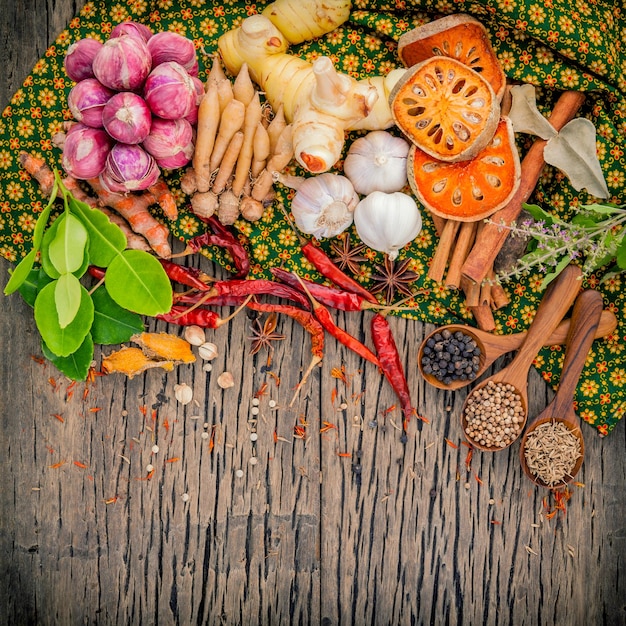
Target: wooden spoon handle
{"x": 555, "y": 303}
{"x": 582, "y": 331}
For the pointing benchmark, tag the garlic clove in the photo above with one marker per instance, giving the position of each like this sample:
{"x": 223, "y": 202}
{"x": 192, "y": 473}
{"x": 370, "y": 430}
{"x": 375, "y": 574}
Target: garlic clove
{"x": 195, "y": 335}
{"x": 226, "y": 380}
{"x": 207, "y": 351}
{"x": 183, "y": 393}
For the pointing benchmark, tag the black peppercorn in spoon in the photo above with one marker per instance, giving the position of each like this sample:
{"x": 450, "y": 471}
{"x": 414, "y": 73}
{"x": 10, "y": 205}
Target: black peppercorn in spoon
{"x": 585, "y": 319}
{"x": 491, "y": 347}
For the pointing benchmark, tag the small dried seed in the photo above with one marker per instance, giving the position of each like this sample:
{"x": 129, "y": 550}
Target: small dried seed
{"x": 183, "y": 393}
{"x": 207, "y": 351}
{"x": 195, "y": 335}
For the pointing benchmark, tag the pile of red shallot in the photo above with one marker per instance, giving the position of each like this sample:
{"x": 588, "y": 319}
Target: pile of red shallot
{"x": 135, "y": 103}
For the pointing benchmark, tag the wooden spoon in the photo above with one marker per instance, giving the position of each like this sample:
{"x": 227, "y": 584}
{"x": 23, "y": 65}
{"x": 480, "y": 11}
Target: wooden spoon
{"x": 555, "y": 303}
{"x": 493, "y": 346}
{"x": 585, "y": 320}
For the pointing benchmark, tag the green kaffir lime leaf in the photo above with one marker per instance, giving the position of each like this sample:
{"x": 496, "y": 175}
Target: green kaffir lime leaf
{"x": 137, "y": 281}
{"x": 36, "y": 280}
{"x": 67, "y": 297}
{"x": 62, "y": 341}
{"x": 22, "y": 271}
{"x": 75, "y": 365}
{"x": 67, "y": 248}
{"x": 111, "y": 323}
{"x": 620, "y": 256}
{"x": 46, "y": 263}
{"x": 106, "y": 240}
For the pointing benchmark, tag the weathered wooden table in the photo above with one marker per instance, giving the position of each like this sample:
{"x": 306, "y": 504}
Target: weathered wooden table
{"x": 243, "y": 523}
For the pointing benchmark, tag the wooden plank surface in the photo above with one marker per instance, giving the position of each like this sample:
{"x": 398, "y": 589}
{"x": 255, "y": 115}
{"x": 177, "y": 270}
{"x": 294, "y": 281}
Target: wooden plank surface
{"x": 397, "y": 533}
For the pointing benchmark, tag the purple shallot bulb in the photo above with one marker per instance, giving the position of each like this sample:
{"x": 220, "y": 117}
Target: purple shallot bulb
{"x": 169, "y": 91}
{"x": 78, "y": 61}
{"x": 123, "y": 63}
{"x": 85, "y": 151}
{"x": 127, "y": 118}
{"x": 86, "y": 101}
{"x": 129, "y": 168}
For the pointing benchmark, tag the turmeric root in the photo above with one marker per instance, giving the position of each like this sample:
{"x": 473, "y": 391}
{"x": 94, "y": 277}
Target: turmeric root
{"x": 164, "y": 346}
{"x": 134, "y": 209}
{"x": 42, "y": 173}
{"x": 132, "y": 361}
{"x": 164, "y": 198}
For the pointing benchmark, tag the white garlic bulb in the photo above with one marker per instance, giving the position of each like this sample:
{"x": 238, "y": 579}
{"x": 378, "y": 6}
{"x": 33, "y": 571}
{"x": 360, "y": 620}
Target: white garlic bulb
{"x": 324, "y": 205}
{"x": 387, "y": 221}
{"x": 377, "y": 162}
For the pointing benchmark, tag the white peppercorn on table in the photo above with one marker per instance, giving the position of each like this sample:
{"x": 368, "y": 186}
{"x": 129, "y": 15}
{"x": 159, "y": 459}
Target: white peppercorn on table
{"x": 240, "y": 521}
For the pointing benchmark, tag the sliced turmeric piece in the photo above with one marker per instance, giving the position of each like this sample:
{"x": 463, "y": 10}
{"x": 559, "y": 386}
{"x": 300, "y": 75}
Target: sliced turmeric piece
{"x": 459, "y": 36}
{"x": 163, "y": 346}
{"x": 132, "y": 361}
{"x": 445, "y": 108}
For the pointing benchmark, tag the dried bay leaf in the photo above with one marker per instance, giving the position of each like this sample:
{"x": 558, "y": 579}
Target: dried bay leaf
{"x": 573, "y": 151}
{"x": 525, "y": 115}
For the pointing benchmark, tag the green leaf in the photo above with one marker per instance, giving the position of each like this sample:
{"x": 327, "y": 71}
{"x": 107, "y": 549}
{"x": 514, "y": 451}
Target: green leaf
{"x": 538, "y": 214}
{"x": 22, "y": 271}
{"x": 603, "y": 209}
{"x": 37, "y": 279}
{"x": 67, "y": 297}
{"x": 111, "y": 323}
{"x": 62, "y": 341}
{"x": 46, "y": 263}
{"x": 75, "y": 365}
{"x": 137, "y": 281}
{"x": 620, "y": 256}
{"x": 67, "y": 248}
{"x": 560, "y": 266}
{"x": 106, "y": 239}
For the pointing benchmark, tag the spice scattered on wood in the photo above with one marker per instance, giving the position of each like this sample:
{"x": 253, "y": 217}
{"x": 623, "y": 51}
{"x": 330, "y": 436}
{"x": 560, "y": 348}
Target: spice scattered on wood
{"x": 551, "y": 451}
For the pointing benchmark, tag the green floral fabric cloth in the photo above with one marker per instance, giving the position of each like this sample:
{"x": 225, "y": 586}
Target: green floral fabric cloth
{"x": 553, "y": 44}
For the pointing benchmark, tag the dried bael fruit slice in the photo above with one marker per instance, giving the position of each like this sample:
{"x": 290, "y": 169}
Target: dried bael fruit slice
{"x": 445, "y": 108}
{"x": 459, "y": 36}
{"x": 469, "y": 190}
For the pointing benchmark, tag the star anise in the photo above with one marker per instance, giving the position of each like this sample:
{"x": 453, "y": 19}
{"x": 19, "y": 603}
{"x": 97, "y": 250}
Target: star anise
{"x": 393, "y": 277}
{"x": 347, "y": 256}
{"x": 263, "y": 334}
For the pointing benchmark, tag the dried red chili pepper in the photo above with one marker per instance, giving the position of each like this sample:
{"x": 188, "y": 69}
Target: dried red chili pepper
{"x": 96, "y": 272}
{"x": 328, "y": 296}
{"x": 390, "y": 362}
{"x": 325, "y": 319}
{"x": 257, "y": 287}
{"x": 325, "y": 266}
{"x": 222, "y": 237}
{"x": 189, "y": 276}
{"x": 197, "y": 316}
{"x": 194, "y": 297}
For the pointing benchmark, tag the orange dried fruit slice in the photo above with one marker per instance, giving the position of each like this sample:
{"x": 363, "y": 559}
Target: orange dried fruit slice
{"x": 459, "y": 36}
{"x": 472, "y": 190}
{"x": 445, "y": 108}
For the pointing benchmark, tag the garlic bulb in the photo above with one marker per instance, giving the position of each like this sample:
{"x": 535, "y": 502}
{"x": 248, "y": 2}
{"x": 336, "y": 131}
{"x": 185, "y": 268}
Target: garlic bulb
{"x": 377, "y": 162}
{"x": 324, "y": 205}
{"x": 387, "y": 221}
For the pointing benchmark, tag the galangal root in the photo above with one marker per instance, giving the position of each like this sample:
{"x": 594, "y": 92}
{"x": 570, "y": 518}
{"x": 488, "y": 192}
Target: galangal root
{"x": 238, "y": 149}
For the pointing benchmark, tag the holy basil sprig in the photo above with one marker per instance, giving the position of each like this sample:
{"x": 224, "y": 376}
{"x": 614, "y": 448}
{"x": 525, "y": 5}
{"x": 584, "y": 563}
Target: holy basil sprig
{"x": 68, "y": 316}
{"x": 595, "y": 238}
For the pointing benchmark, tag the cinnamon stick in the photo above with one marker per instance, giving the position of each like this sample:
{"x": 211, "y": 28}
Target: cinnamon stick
{"x": 464, "y": 241}
{"x": 491, "y": 238}
{"x": 446, "y": 243}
